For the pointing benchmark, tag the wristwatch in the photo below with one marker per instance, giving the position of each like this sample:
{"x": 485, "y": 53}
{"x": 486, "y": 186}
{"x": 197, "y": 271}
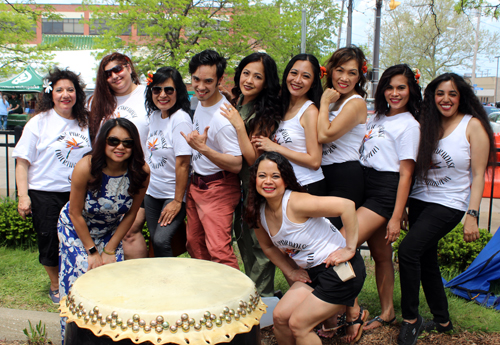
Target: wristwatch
{"x": 92, "y": 250}
{"x": 473, "y": 213}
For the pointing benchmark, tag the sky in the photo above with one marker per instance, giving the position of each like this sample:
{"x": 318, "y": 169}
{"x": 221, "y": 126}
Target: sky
{"x": 363, "y": 18}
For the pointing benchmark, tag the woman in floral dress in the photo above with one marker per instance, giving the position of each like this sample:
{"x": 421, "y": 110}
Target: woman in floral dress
{"x": 107, "y": 189}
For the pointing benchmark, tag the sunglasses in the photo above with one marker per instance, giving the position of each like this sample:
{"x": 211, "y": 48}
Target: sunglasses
{"x": 117, "y": 69}
{"x": 113, "y": 142}
{"x": 156, "y": 90}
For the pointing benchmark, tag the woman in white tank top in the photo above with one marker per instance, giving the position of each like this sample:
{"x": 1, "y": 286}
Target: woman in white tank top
{"x": 294, "y": 234}
{"x": 297, "y": 138}
{"x": 341, "y": 125}
{"x": 450, "y": 172}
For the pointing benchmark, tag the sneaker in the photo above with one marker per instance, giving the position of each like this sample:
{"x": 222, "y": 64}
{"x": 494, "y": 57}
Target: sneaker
{"x": 432, "y": 326}
{"x": 53, "y": 297}
{"x": 408, "y": 335}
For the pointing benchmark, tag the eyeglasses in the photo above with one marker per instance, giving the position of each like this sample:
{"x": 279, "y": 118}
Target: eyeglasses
{"x": 117, "y": 69}
{"x": 156, "y": 90}
{"x": 127, "y": 143}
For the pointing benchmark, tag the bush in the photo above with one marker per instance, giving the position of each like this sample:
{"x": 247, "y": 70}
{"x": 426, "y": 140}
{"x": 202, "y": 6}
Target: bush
{"x": 14, "y": 231}
{"x": 453, "y": 252}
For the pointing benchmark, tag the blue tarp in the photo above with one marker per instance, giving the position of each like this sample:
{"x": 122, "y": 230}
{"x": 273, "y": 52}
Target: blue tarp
{"x": 474, "y": 283}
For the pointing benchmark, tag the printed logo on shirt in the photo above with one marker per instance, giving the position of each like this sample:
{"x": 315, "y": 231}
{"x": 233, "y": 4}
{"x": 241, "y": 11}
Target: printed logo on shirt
{"x": 329, "y": 149}
{"x": 446, "y": 162}
{"x": 373, "y": 131}
{"x": 291, "y": 252}
{"x": 68, "y": 148}
{"x": 446, "y": 157}
{"x": 282, "y": 137}
{"x": 196, "y": 155}
{"x": 125, "y": 112}
{"x": 156, "y": 141}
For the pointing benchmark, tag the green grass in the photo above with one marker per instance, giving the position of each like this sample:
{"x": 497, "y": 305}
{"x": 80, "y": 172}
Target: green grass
{"x": 25, "y": 285}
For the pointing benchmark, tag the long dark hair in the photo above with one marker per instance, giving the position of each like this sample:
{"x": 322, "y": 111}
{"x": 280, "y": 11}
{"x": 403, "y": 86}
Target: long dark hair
{"x": 267, "y": 106}
{"x": 163, "y": 74}
{"x": 255, "y": 200}
{"x": 314, "y": 93}
{"x": 431, "y": 124}
{"x": 136, "y": 162}
{"x": 104, "y": 101}
{"x": 79, "y": 112}
{"x": 340, "y": 57}
{"x": 415, "y": 99}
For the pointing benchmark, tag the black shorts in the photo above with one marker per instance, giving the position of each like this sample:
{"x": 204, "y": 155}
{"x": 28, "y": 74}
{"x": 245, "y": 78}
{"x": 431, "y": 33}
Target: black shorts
{"x": 381, "y": 188}
{"x": 345, "y": 180}
{"x": 329, "y": 288}
{"x": 45, "y": 207}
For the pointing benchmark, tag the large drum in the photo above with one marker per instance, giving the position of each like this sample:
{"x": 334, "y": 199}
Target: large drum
{"x": 163, "y": 301}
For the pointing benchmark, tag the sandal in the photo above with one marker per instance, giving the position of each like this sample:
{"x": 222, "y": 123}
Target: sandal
{"x": 363, "y": 316}
{"x": 53, "y": 297}
{"x": 330, "y": 332}
{"x": 381, "y": 321}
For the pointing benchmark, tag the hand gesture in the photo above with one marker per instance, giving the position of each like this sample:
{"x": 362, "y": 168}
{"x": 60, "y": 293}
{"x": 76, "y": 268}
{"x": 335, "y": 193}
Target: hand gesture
{"x": 393, "y": 230}
{"x": 405, "y": 224}
{"x": 108, "y": 259}
{"x": 339, "y": 256}
{"x": 196, "y": 140}
{"x": 94, "y": 260}
{"x": 299, "y": 275}
{"x": 471, "y": 231}
{"x": 263, "y": 143}
{"x": 329, "y": 96}
{"x": 169, "y": 212}
{"x": 24, "y": 206}
{"x": 230, "y": 113}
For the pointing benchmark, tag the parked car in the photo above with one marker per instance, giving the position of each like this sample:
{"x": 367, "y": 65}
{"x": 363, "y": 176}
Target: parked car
{"x": 490, "y": 109}
{"x": 494, "y": 119}
{"x": 370, "y": 105}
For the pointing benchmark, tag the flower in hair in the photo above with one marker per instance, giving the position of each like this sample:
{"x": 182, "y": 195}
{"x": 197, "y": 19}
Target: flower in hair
{"x": 417, "y": 75}
{"x": 323, "y": 71}
{"x": 150, "y": 76}
{"x": 46, "y": 85}
{"x": 364, "y": 69}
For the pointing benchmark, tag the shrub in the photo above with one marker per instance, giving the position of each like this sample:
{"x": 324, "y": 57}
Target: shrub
{"x": 14, "y": 231}
{"x": 453, "y": 252}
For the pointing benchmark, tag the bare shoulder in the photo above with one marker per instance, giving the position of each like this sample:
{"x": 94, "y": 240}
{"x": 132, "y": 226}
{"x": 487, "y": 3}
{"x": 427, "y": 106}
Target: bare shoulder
{"x": 475, "y": 128}
{"x": 311, "y": 110}
{"x": 146, "y": 169}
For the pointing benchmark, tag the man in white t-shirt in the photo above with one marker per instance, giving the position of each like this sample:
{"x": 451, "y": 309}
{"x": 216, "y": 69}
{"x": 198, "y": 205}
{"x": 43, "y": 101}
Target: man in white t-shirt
{"x": 214, "y": 191}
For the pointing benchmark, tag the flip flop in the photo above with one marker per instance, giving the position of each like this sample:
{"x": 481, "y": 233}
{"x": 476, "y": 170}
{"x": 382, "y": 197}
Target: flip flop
{"x": 363, "y": 316}
{"x": 381, "y": 321}
{"x": 341, "y": 321}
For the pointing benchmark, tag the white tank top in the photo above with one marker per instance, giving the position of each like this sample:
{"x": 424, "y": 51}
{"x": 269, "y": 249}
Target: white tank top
{"x": 309, "y": 243}
{"x": 345, "y": 148}
{"x": 291, "y": 134}
{"x": 449, "y": 178}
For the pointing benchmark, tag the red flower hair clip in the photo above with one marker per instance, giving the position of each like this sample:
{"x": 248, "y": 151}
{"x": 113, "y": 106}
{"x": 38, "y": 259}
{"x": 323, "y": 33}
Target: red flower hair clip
{"x": 149, "y": 77}
{"x": 417, "y": 75}
{"x": 364, "y": 69}
{"x": 323, "y": 71}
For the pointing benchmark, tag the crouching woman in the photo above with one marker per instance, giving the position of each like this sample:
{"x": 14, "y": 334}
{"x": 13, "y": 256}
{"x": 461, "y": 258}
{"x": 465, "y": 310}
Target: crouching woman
{"x": 295, "y": 236}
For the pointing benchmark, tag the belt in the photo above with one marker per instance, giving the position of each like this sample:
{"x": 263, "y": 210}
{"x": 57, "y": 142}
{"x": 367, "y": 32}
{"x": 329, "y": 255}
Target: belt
{"x": 201, "y": 181}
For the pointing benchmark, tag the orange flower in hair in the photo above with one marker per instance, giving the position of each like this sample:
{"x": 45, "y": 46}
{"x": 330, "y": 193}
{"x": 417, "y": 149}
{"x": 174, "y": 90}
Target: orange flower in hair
{"x": 323, "y": 71}
{"x": 417, "y": 75}
{"x": 150, "y": 76}
{"x": 364, "y": 69}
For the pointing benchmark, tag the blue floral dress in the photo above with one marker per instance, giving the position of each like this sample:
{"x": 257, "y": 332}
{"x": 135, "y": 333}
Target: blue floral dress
{"x": 103, "y": 212}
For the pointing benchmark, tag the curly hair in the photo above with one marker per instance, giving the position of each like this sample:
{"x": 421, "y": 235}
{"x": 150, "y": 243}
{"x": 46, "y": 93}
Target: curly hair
{"x": 104, "y": 101}
{"x": 137, "y": 175}
{"x": 255, "y": 200}
{"x": 340, "y": 57}
{"x": 163, "y": 74}
{"x": 79, "y": 112}
{"x": 267, "y": 106}
{"x": 431, "y": 124}
{"x": 314, "y": 93}
{"x": 415, "y": 100}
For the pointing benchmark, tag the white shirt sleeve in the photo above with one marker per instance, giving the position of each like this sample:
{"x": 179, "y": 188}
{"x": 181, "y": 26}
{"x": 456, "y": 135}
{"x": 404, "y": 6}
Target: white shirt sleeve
{"x": 407, "y": 143}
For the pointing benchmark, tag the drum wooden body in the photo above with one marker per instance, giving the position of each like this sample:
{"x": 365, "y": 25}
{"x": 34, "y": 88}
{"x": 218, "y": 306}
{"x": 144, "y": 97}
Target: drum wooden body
{"x": 163, "y": 301}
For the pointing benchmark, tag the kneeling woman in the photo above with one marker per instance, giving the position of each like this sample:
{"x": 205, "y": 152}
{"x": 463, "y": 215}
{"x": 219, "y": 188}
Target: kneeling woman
{"x": 287, "y": 221}
{"x": 107, "y": 189}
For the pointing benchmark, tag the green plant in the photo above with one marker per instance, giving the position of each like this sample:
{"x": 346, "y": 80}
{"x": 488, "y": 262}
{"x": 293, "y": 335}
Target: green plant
{"x": 453, "y": 252}
{"x": 37, "y": 335}
{"x": 15, "y": 232}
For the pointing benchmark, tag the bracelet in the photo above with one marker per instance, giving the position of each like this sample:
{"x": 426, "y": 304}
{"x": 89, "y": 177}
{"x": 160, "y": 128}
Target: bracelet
{"x": 106, "y": 252}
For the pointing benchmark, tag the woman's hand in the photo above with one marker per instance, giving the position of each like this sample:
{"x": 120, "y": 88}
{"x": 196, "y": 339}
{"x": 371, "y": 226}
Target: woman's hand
{"x": 339, "y": 256}
{"x": 107, "y": 258}
{"x": 24, "y": 206}
{"x": 299, "y": 275}
{"x": 393, "y": 230}
{"x": 329, "y": 96}
{"x": 263, "y": 143}
{"x": 230, "y": 113}
{"x": 169, "y": 212}
{"x": 94, "y": 260}
{"x": 471, "y": 231}
{"x": 405, "y": 224}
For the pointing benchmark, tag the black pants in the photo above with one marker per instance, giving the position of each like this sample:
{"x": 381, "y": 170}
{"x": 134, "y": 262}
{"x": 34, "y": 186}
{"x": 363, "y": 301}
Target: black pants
{"x": 418, "y": 260}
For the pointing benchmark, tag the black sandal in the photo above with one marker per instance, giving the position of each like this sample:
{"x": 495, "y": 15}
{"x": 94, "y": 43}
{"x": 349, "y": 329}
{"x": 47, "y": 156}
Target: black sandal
{"x": 363, "y": 316}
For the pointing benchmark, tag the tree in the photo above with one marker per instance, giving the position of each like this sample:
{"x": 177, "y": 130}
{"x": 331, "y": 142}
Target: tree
{"x": 17, "y": 28}
{"x": 487, "y": 8}
{"x": 431, "y": 36}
